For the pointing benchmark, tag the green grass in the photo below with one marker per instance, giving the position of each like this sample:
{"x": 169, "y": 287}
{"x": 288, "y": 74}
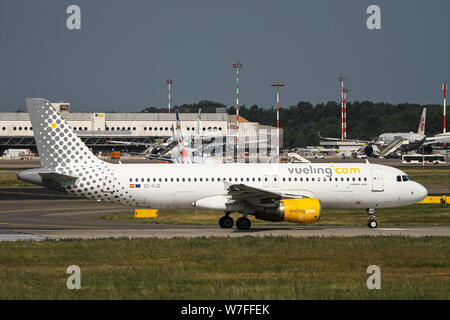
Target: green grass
{"x": 429, "y": 176}
{"x": 8, "y": 178}
{"x": 228, "y": 268}
{"x": 414, "y": 215}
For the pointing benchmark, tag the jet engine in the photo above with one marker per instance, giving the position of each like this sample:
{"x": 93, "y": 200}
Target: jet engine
{"x": 305, "y": 210}
{"x": 368, "y": 150}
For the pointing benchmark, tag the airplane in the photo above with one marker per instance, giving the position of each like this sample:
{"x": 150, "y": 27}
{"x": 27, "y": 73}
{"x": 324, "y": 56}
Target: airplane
{"x": 387, "y": 143}
{"x": 294, "y": 192}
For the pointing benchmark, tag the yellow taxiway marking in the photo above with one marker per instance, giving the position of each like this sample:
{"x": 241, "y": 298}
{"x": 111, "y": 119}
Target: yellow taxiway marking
{"x": 57, "y": 209}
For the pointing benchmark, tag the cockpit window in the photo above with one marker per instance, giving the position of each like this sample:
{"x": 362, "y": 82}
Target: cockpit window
{"x": 406, "y": 178}
{"x": 399, "y": 178}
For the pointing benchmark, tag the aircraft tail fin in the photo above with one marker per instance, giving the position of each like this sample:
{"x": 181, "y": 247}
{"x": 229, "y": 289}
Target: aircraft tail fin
{"x": 57, "y": 143}
{"x": 421, "y": 129}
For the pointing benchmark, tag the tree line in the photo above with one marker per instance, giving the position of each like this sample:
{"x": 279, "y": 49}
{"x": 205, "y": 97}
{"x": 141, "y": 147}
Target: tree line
{"x": 302, "y": 122}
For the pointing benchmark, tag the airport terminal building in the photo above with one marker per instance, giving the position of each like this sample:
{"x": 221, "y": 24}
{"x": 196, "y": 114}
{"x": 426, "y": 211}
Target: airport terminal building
{"x": 104, "y": 131}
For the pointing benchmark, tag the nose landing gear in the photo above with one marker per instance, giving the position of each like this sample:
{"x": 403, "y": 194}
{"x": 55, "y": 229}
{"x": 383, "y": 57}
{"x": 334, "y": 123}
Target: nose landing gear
{"x": 372, "y": 223}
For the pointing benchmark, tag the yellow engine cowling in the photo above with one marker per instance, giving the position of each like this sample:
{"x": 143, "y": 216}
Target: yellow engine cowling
{"x": 300, "y": 210}
{"x": 305, "y": 210}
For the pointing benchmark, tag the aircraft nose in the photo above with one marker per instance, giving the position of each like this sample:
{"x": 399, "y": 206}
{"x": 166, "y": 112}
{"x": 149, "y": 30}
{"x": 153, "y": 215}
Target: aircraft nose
{"x": 421, "y": 192}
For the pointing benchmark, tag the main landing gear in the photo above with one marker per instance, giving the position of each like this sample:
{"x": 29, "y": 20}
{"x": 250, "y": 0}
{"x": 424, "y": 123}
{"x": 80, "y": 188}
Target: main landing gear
{"x": 227, "y": 222}
{"x": 372, "y": 223}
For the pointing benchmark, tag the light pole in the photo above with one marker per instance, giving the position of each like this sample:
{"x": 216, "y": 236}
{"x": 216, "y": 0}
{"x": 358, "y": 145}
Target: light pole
{"x": 278, "y": 85}
{"x": 237, "y": 66}
{"x": 169, "y": 83}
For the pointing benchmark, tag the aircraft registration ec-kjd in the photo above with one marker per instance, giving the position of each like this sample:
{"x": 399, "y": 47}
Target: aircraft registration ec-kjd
{"x": 294, "y": 192}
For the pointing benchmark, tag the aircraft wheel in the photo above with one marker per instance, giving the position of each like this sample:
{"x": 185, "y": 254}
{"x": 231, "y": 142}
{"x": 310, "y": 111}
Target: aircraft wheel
{"x": 243, "y": 223}
{"x": 372, "y": 224}
{"x": 226, "y": 222}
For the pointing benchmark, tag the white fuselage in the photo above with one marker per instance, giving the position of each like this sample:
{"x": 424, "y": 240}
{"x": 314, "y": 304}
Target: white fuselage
{"x": 338, "y": 185}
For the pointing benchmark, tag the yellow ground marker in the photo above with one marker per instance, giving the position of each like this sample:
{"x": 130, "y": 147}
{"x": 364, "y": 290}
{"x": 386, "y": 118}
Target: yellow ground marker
{"x": 434, "y": 199}
{"x": 146, "y": 213}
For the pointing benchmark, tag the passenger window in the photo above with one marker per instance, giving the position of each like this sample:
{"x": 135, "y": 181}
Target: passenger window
{"x": 183, "y": 179}
{"x": 189, "y": 179}
{"x": 307, "y": 179}
{"x": 171, "y": 179}
{"x": 148, "y": 179}
{"x": 289, "y": 179}
{"x": 131, "y": 179}
{"x": 365, "y": 179}
{"x": 312, "y": 179}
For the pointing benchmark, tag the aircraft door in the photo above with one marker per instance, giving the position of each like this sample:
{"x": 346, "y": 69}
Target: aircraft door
{"x": 377, "y": 180}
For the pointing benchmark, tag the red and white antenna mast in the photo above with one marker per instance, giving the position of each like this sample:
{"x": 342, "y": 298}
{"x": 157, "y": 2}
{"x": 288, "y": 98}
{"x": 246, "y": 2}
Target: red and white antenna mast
{"x": 345, "y": 113}
{"x": 343, "y": 110}
{"x": 169, "y": 83}
{"x": 237, "y": 66}
{"x": 444, "y": 90}
{"x": 278, "y": 85}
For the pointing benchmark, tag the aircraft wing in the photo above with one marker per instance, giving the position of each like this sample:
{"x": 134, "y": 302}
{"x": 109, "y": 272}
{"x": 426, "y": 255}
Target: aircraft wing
{"x": 437, "y": 139}
{"x": 127, "y": 143}
{"x": 161, "y": 159}
{"x": 243, "y": 192}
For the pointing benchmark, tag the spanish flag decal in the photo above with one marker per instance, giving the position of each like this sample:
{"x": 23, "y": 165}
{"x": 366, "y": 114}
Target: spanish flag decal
{"x": 131, "y": 185}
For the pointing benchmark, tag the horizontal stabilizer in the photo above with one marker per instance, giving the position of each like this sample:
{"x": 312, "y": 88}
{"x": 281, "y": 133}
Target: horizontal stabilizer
{"x": 58, "y": 177}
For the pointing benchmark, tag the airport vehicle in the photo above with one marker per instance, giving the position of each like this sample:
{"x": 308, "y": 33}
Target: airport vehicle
{"x": 294, "y": 192}
{"x": 425, "y": 158}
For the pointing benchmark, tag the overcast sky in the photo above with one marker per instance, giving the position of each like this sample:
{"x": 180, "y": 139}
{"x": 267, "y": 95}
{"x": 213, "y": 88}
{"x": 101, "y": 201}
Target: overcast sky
{"x": 125, "y": 51}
